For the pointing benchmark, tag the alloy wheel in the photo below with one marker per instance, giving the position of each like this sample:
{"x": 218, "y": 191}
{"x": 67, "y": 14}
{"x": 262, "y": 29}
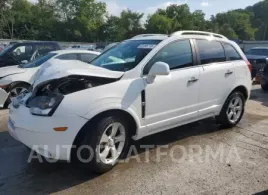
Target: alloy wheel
{"x": 16, "y": 91}
{"x": 235, "y": 109}
{"x": 112, "y": 143}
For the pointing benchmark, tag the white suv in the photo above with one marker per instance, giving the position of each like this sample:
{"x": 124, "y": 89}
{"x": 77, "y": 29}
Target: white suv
{"x": 140, "y": 87}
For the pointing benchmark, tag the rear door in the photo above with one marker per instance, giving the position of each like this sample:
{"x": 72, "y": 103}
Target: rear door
{"x": 216, "y": 76}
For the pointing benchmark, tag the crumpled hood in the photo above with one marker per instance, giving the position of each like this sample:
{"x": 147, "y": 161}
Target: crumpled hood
{"x": 9, "y": 70}
{"x": 54, "y": 69}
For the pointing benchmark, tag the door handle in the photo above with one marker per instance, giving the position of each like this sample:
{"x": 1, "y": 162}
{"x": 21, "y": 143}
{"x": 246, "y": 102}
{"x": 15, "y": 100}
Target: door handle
{"x": 229, "y": 72}
{"x": 193, "y": 80}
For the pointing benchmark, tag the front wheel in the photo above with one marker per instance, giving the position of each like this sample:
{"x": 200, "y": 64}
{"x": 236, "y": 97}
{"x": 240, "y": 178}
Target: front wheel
{"x": 232, "y": 111}
{"x": 15, "y": 91}
{"x": 104, "y": 144}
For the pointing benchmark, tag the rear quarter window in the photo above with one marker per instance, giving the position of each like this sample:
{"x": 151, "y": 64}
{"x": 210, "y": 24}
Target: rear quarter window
{"x": 231, "y": 52}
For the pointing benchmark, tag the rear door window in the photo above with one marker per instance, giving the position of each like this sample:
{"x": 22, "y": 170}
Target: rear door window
{"x": 210, "y": 51}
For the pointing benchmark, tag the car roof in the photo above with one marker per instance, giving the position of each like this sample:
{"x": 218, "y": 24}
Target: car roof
{"x": 68, "y": 51}
{"x": 33, "y": 42}
{"x": 183, "y": 34}
{"x": 156, "y": 37}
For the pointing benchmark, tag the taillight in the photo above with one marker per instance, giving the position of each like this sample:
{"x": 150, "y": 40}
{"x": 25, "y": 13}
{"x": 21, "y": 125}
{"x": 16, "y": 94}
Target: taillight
{"x": 249, "y": 65}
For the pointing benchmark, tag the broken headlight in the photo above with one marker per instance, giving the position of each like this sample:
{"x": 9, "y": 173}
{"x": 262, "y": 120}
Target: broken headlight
{"x": 45, "y": 105}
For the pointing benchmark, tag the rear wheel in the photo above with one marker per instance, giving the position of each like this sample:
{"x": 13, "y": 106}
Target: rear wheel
{"x": 232, "y": 111}
{"x": 104, "y": 144}
{"x": 264, "y": 87}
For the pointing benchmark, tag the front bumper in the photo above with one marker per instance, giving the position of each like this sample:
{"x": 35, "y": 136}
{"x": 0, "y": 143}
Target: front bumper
{"x": 37, "y": 132}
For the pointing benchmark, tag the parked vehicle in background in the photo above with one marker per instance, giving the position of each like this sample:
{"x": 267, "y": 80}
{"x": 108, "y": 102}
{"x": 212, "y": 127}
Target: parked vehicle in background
{"x": 257, "y": 57}
{"x": 100, "y": 47}
{"x": 17, "y": 79}
{"x": 24, "y": 52}
{"x": 2, "y": 46}
{"x": 148, "y": 35}
{"x": 90, "y": 47}
{"x": 140, "y": 87}
{"x": 110, "y": 46}
{"x": 264, "y": 77}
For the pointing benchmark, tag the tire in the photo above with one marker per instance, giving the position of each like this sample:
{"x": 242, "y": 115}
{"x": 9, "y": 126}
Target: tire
{"x": 94, "y": 145}
{"x": 264, "y": 87}
{"x": 229, "y": 106}
{"x": 21, "y": 87}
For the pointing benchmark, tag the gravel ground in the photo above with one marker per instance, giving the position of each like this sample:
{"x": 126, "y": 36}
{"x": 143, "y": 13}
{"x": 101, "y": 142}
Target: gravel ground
{"x": 194, "y": 159}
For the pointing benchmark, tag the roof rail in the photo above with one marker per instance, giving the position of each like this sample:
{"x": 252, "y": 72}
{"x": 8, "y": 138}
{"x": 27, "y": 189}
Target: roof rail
{"x": 148, "y": 35}
{"x": 203, "y": 33}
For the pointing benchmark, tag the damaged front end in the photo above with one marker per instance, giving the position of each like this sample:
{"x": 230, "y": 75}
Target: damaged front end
{"x": 47, "y": 96}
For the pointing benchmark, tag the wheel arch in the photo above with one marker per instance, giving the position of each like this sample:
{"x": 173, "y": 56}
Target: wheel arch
{"x": 241, "y": 89}
{"x": 11, "y": 85}
{"x": 122, "y": 113}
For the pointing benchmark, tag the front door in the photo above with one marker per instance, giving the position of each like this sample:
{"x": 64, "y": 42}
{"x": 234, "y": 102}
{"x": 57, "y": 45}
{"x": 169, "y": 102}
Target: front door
{"x": 171, "y": 100}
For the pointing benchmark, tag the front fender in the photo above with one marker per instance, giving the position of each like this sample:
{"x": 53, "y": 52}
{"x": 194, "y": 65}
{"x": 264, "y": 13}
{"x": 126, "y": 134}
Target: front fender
{"x": 114, "y": 104}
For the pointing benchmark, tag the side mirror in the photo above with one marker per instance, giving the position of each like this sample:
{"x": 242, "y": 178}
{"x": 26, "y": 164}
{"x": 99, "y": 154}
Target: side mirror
{"x": 159, "y": 68}
{"x": 24, "y": 61}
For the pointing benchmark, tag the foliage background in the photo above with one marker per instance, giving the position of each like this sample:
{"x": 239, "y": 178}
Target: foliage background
{"x": 89, "y": 21}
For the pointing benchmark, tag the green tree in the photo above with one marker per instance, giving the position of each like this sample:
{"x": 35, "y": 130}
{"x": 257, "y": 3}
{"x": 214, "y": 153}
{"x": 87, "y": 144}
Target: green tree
{"x": 129, "y": 24}
{"x": 180, "y": 15}
{"x": 111, "y": 29}
{"x": 157, "y": 23}
{"x": 89, "y": 18}
{"x": 260, "y": 19}
{"x": 198, "y": 20}
{"x": 227, "y": 30}
{"x": 6, "y": 19}
{"x": 44, "y": 20}
{"x": 237, "y": 20}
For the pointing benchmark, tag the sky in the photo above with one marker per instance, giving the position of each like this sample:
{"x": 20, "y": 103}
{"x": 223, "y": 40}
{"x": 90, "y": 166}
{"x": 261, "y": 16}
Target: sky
{"x": 209, "y": 7}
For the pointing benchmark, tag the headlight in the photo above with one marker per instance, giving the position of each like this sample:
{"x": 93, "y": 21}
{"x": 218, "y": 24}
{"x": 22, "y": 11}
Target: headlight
{"x": 45, "y": 105}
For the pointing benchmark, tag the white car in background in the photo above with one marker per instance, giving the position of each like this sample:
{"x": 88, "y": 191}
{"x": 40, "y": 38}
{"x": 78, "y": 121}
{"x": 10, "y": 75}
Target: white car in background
{"x": 140, "y": 87}
{"x": 17, "y": 79}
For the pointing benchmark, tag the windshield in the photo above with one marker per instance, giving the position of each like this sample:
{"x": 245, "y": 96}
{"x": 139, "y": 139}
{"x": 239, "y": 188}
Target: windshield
{"x": 38, "y": 61}
{"x": 258, "y": 52}
{"x": 126, "y": 55}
